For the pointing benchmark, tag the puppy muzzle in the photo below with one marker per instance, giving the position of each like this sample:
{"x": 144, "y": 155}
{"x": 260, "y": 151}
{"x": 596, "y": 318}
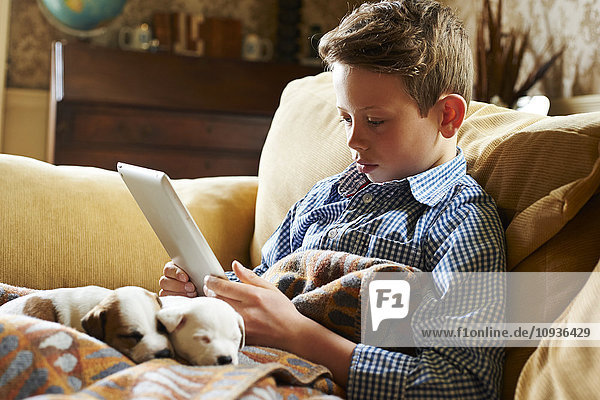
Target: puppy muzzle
{"x": 164, "y": 353}
{"x": 224, "y": 360}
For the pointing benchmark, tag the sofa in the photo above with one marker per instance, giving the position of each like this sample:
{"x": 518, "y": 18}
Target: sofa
{"x": 65, "y": 226}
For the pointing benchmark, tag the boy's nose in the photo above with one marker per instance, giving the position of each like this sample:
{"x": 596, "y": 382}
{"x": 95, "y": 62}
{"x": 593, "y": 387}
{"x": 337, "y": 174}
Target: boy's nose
{"x": 354, "y": 139}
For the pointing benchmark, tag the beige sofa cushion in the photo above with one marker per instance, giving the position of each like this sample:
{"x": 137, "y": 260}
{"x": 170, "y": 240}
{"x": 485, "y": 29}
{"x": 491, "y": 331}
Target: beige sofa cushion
{"x": 540, "y": 170}
{"x": 74, "y": 226}
{"x": 566, "y": 372}
{"x": 305, "y": 144}
{"x": 576, "y": 248}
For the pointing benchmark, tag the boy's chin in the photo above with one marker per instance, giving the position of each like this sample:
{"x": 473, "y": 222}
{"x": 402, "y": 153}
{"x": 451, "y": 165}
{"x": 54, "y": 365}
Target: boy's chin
{"x": 377, "y": 178}
{"x": 380, "y": 176}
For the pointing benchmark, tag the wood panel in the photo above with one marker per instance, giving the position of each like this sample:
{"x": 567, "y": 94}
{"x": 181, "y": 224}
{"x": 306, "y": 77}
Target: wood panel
{"x": 148, "y": 127}
{"x": 178, "y": 163}
{"x": 188, "y": 116}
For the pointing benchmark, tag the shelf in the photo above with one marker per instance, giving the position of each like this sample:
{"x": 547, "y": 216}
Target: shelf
{"x": 575, "y": 105}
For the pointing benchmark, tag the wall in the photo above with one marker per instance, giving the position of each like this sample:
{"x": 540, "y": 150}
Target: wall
{"x": 31, "y": 35}
{"x": 572, "y": 22}
{"x": 552, "y": 23}
{"x": 4, "y": 21}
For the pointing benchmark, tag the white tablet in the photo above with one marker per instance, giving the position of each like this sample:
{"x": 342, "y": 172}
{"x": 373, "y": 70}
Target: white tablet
{"x": 172, "y": 222}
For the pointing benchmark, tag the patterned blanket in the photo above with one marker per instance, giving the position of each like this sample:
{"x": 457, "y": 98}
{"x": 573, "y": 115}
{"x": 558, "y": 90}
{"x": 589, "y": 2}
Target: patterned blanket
{"x": 50, "y": 361}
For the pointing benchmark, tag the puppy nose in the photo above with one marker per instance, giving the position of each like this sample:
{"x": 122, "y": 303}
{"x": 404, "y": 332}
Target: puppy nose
{"x": 164, "y": 353}
{"x": 224, "y": 360}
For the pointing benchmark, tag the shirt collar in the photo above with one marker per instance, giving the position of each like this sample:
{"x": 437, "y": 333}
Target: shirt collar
{"x": 351, "y": 181}
{"x": 428, "y": 187}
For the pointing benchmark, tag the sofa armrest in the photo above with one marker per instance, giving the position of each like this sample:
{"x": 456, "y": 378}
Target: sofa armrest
{"x": 64, "y": 226}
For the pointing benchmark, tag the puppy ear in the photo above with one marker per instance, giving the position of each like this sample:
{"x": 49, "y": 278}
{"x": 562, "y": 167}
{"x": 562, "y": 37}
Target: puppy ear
{"x": 41, "y": 308}
{"x": 243, "y": 330}
{"x": 157, "y": 299}
{"x": 170, "y": 318}
{"x": 94, "y": 322}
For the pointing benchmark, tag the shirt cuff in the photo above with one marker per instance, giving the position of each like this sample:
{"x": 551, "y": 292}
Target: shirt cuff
{"x": 261, "y": 269}
{"x": 377, "y": 373}
{"x": 232, "y": 276}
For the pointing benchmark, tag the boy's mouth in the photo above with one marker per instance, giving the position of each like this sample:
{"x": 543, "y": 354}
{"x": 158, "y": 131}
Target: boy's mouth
{"x": 365, "y": 168}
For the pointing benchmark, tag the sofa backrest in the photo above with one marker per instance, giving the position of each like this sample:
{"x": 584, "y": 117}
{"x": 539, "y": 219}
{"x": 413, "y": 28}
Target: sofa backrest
{"x": 306, "y": 143}
{"x": 65, "y": 226}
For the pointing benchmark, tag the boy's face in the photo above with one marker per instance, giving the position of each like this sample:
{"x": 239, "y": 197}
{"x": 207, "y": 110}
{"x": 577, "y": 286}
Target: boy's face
{"x": 388, "y": 137}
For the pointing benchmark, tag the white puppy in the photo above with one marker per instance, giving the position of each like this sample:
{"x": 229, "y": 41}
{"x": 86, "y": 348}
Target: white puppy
{"x": 124, "y": 318}
{"x": 203, "y": 330}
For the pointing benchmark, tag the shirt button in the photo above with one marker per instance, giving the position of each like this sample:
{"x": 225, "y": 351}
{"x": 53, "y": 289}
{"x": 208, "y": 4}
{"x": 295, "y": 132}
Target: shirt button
{"x": 367, "y": 198}
{"x": 332, "y": 233}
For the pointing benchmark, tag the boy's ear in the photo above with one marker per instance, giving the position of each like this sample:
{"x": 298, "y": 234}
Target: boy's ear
{"x": 453, "y": 108}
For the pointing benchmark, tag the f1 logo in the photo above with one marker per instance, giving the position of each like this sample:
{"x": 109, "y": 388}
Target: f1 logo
{"x": 389, "y": 299}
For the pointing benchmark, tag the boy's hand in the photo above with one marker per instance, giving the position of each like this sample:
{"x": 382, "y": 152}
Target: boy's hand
{"x": 268, "y": 314}
{"x": 175, "y": 282}
{"x": 271, "y": 319}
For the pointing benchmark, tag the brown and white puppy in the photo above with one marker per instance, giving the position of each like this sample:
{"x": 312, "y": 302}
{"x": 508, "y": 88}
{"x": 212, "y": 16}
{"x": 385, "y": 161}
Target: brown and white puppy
{"x": 124, "y": 318}
{"x": 203, "y": 330}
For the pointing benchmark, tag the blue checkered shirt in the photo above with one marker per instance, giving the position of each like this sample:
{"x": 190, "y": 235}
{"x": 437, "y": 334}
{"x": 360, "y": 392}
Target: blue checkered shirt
{"x": 439, "y": 221}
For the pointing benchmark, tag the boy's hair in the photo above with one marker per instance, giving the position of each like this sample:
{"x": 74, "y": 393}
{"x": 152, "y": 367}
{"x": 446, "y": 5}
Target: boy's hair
{"x": 420, "y": 40}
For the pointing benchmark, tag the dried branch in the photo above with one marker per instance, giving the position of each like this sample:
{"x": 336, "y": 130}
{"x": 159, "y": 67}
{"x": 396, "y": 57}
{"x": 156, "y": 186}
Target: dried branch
{"x": 536, "y": 75}
{"x": 500, "y": 58}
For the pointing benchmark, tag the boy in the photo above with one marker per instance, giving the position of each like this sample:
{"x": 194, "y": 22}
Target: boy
{"x": 402, "y": 74}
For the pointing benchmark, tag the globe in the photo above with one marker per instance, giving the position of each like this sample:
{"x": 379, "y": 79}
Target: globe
{"x": 81, "y": 18}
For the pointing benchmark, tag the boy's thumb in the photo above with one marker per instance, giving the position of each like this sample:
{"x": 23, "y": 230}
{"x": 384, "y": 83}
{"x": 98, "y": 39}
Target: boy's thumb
{"x": 248, "y": 276}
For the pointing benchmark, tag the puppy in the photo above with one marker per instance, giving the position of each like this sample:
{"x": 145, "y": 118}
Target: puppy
{"x": 124, "y": 318}
{"x": 203, "y": 330}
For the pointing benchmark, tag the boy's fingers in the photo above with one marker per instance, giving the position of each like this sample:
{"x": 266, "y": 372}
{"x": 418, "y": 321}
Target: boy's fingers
{"x": 236, "y": 291}
{"x": 248, "y": 276}
{"x": 170, "y": 270}
{"x": 225, "y": 289}
{"x": 176, "y": 286}
{"x": 174, "y": 272}
{"x": 163, "y": 293}
{"x": 208, "y": 292}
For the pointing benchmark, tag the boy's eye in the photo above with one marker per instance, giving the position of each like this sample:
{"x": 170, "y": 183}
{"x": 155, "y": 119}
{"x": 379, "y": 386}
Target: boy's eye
{"x": 346, "y": 120}
{"x": 375, "y": 122}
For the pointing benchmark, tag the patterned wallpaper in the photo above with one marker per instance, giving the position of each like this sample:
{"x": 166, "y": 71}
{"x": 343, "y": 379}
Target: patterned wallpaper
{"x": 552, "y": 23}
{"x": 31, "y": 35}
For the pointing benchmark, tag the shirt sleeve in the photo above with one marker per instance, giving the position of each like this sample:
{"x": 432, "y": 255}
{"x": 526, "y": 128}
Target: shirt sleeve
{"x": 280, "y": 243}
{"x": 467, "y": 237}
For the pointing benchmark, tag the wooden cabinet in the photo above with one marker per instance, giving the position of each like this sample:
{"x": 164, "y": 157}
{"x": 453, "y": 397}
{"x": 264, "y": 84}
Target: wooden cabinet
{"x": 190, "y": 117}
